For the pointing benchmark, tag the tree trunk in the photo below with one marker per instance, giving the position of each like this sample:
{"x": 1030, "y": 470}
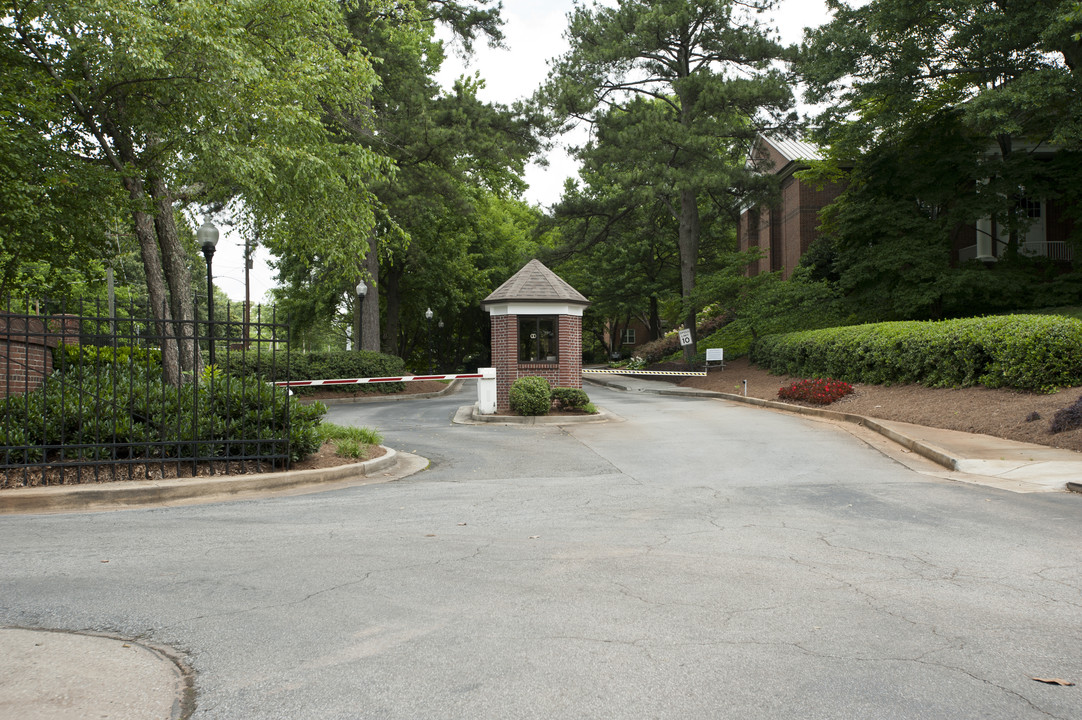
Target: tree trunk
{"x": 655, "y": 319}
{"x": 156, "y": 292}
{"x": 370, "y": 315}
{"x": 392, "y": 283}
{"x": 1006, "y": 146}
{"x": 179, "y": 279}
{"x": 688, "y": 243}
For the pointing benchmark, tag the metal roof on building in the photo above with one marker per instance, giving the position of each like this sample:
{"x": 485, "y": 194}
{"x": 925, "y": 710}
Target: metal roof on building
{"x": 535, "y": 282}
{"x": 793, "y": 150}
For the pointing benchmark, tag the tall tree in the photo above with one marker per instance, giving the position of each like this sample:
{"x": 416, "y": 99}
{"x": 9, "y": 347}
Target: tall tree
{"x": 700, "y": 79}
{"x": 1009, "y": 67}
{"x": 450, "y": 150}
{"x": 204, "y": 100}
{"x": 1007, "y": 73}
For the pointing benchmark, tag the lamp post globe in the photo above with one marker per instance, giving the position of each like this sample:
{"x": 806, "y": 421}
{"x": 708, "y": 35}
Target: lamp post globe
{"x": 428, "y": 319}
{"x": 207, "y": 237}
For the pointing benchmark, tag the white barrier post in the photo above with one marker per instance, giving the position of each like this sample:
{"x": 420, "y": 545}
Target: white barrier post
{"x": 486, "y": 391}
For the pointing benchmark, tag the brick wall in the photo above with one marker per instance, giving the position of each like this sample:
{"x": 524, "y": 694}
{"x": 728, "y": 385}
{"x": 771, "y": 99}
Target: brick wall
{"x": 747, "y": 235}
{"x": 25, "y": 350}
{"x": 567, "y": 372}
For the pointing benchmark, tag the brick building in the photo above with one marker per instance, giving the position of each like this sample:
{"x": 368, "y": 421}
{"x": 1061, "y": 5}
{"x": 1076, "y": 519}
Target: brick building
{"x": 785, "y": 229}
{"x": 536, "y": 330}
{"x": 26, "y": 343}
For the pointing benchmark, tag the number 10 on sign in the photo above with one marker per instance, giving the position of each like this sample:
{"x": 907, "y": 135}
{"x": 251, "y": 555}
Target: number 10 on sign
{"x": 685, "y": 337}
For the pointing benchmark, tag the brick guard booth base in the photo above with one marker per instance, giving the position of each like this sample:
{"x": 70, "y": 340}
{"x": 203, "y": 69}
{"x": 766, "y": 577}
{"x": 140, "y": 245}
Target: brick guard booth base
{"x": 535, "y": 292}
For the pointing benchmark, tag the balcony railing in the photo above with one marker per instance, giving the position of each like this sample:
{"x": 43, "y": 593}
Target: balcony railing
{"x": 1054, "y": 250}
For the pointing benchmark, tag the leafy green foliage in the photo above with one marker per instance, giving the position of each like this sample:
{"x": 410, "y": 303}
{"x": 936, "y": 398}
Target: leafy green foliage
{"x": 676, "y": 92}
{"x": 73, "y": 356}
{"x": 570, "y": 398}
{"x": 943, "y": 113}
{"x": 319, "y": 366}
{"x": 531, "y": 395}
{"x": 86, "y": 410}
{"x": 165, "y": 103}
{"x": 1028, "y": 352}
{"x": 884, "y": 66}
{"x": 887, "y": 241}
{"x": 447, "y": 208}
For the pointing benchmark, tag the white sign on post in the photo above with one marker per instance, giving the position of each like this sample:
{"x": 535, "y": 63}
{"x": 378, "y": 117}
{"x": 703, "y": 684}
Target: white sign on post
{"x": 685, "y": 337}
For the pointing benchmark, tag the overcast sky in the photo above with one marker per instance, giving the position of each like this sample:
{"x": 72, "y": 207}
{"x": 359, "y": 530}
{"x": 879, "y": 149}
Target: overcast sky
{"x": 533, "y": 32}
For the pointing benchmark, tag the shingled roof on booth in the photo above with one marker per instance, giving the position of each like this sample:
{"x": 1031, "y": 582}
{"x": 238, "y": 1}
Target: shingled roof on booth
{"x": 535, "y": 283}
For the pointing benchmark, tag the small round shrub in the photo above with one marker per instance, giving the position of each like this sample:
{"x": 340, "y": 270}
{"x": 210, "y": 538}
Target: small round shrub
{"x": 531, "y": 395}
{"x": 570, "y": 398}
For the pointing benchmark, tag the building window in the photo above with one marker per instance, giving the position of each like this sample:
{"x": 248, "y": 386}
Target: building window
{"x": 628, "y": 337}
{"x": 1031, "y": 208}
{"x": 537, "y": 338}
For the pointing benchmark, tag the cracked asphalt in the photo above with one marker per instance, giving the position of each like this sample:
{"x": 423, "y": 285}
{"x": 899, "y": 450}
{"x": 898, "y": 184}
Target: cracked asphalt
{"x": 700, "y": 559}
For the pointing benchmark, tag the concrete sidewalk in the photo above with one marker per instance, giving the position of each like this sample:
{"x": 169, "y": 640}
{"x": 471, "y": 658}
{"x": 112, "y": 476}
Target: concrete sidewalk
{"x": 60, "y": 676}
{"x": 967, "y": 457}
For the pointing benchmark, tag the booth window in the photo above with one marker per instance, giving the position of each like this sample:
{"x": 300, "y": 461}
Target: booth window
{"x": 537, "y": 338}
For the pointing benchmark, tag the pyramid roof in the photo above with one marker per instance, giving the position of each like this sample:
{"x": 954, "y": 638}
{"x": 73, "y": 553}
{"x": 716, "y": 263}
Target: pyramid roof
{"x": 536, "y": 283}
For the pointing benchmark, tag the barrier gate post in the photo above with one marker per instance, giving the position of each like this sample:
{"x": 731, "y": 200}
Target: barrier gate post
{"x": 486, "y": 391}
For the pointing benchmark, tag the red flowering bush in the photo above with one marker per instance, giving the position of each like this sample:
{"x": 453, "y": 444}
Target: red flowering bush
{"x": 821, "y": 391}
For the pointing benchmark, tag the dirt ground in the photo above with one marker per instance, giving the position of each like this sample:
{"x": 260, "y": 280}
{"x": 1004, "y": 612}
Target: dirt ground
{"x": 1001, "y": 413}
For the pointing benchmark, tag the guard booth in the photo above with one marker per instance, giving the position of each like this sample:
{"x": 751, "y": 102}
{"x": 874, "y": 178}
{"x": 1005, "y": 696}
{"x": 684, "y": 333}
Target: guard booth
{"x": 536, "y": 330}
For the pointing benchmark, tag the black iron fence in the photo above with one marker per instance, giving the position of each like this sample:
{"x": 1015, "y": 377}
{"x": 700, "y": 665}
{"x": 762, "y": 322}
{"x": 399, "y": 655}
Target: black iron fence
{"x": 88, "y": 394}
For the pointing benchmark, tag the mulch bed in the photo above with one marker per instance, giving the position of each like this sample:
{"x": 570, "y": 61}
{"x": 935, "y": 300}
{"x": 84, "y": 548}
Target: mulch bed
{"x": 999, "y": 412}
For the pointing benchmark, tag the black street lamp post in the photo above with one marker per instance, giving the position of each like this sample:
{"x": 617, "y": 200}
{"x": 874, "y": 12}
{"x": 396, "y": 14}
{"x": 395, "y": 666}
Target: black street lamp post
{"x": 207, "y": 237}
{"x": 358, "y": 317}
{"x": 428, "y": 318}
{"x": 440, "y": 344}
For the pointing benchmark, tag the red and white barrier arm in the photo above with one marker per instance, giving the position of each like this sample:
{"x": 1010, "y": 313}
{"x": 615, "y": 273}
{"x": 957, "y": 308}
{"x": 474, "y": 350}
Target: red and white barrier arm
{"x": 362, "y": 381}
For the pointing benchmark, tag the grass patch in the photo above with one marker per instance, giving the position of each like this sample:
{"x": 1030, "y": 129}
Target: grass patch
{"x": 351, "y": 442}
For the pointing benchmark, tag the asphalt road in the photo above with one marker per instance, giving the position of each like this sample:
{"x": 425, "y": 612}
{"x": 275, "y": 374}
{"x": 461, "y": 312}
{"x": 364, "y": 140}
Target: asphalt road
{"x": 698, "y": 560}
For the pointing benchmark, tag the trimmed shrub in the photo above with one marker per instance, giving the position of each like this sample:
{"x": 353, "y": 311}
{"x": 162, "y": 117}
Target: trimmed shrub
{"x": 319, "y": 366}
{"x": 570, "y": 398}
{"x": 531, "y": 395}
{"x": 67, "y": 356}
{"x": 90, "y": 408}
{"x": 1027, "y": 352}
{"x": 820, "y": 391}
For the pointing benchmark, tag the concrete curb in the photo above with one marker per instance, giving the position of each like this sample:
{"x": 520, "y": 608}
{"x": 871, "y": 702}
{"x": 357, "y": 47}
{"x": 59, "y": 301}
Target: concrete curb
{"x": 468, "y": 415}
{"x": 451, "y": 388}
{"x": 69, "y": 498}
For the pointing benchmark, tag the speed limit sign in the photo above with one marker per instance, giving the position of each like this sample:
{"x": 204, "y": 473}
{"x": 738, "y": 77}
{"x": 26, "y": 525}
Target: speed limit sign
{"x": 685, "y": 337}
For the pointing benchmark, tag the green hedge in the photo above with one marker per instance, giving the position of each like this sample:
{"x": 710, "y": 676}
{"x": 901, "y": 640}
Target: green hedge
{"x": 319, "y": 366}
{"x": 1027, "y": 352}
{"x": 90, "y": 408}
{"x": 74, "y": 355}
